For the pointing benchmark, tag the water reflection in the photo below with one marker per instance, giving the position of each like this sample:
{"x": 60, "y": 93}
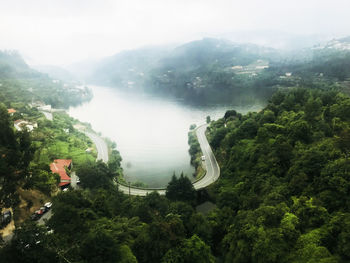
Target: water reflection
{"x": 150, "y": 132}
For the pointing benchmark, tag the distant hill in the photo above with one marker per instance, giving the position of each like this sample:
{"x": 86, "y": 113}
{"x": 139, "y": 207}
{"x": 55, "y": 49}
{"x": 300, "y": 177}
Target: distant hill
{"x": 212, "y": 71}
{"x": 21, "y": 83}
{"x": 55, "y": 72}
{"x": 12, "y": 65}
{"x": 328, "y": 60}
{"x": 194, "y": 72}
{"x": 220, "y": 71}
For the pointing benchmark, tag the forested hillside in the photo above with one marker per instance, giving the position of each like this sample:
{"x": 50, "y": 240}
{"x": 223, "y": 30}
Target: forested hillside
{"x": 20, "y": 83}
{"x": 211, "y": 71}
{"x": 283, "y": 196}
{"x": 200, "y": 72}
{"x": 284, "y": 191}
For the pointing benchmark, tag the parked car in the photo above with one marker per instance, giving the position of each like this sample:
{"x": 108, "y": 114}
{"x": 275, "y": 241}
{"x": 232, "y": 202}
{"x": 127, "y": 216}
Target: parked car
{"x": 48, "y": 205}
{"x": 203, "y": 158}
{"x": 36, "y": 215}
{"x": 43, "y": 210}
{"x": 6, "y": 218}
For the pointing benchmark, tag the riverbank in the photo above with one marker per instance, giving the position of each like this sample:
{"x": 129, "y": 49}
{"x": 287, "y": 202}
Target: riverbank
{"x": 151, "y": 133}
{"x": 212, "y": 169}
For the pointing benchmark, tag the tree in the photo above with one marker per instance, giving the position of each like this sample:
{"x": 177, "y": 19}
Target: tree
{"x": 16, "y": 152}
{"x": 230, "y": 113}
{"x": 96, "y": 175}
{"x": 100, "y": 247}
{"x": 181, "y": 189}
{"x": 30, "y": 243}
{"x": 208, "y": 119}
{"x": 192, "y": 250}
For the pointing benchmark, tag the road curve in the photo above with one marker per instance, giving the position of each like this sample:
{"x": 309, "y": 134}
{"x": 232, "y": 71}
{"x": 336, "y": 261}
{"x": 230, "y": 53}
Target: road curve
{"x": 101, "y": 146}
{"x": 211, "y": 165}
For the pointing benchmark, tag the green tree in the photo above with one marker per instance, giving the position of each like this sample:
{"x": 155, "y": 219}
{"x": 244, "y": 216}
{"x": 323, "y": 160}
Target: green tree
{"x": 30, "y": 243}
{"x": 96, "y": 175}
{"x": 192, "y": 250}
{"x": 16, "y": 152}
{"x": 181, "y": 189}
{"x": 208, "y": 119}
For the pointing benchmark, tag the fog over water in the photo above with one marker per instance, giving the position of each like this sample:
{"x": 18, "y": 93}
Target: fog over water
{"x": 150, "y": 132}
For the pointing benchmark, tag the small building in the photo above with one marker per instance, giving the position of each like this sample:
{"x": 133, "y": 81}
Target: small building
{"x": 289, "y": 74}
{"x": 262, "y": 67}
{"x": 239, "y": 67}
{"x": 45, "y": 108}
{"x": 11, "y": 111}
{"x": 59, "y": 167}
{"x": 22, "y": 124}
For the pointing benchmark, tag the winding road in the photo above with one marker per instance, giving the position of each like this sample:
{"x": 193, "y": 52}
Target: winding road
{"x": 211, "y": 165}
{"x": 101, "y": 146}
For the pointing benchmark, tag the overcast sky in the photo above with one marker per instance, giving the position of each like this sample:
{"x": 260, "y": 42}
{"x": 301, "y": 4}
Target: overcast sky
{"x": 64, "y": 31}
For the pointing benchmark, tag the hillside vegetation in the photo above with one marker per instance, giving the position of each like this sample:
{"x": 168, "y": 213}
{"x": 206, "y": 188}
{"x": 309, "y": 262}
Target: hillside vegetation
{"x": 20, "y": 83}
{"x": 200, "y": 72}
{"x": 284, "y": 191}
{"x": 211, "y": 71}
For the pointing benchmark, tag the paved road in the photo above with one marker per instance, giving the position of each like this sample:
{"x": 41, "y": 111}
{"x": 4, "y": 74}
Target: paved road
{"x": 139, "y": 192}
{"x": 211, "y": 165}
{"x": 101, "y": 146}
{"x": 45, "y": 217}
{"x": 48, "y": 115}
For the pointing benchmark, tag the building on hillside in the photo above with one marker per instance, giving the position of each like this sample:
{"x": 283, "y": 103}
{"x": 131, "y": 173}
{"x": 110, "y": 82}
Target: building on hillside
{"x": 45, "y": 108}
{"x": 59, "y": 167}
{"x": 21, "y": 124}
{"x": 11, "y": 111}
{"x": 36, "y": 104}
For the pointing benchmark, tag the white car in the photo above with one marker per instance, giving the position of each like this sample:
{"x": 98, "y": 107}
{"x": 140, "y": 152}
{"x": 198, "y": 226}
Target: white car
{"x": 203, "y": 158}
{"x": 48, "y": 205}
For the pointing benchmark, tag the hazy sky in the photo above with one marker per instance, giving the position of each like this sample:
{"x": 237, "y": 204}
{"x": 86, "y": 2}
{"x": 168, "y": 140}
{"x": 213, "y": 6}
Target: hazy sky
{"x": 65, "y": 31}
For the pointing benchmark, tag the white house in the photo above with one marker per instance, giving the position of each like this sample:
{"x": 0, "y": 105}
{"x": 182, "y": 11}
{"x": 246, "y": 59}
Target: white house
{"x": 20, "y": 124}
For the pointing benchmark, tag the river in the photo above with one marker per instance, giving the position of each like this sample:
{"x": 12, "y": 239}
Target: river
{"x": 150, "y": 132}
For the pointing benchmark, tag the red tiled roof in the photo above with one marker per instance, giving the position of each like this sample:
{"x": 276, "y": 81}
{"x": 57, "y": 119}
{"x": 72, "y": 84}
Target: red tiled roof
{"x": 58, "y": 166}
{"x": 63, "y": 183}
{"x": 11, "y": 110}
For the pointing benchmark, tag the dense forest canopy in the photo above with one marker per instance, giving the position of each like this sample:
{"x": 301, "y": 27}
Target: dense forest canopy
{"x": 285, "y": 179}
{"x": 283, "y": 196}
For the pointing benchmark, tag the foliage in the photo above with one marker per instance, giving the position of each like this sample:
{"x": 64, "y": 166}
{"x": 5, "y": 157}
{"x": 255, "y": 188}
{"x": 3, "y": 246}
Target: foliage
{"x": 96, "y": 175}
{"x": 180, "y": 189}
{"x": 191, "y": 250}
{"x": 16, "y": 152}
{"x": 284, "y": 179}
{"x": 20, "y": 83}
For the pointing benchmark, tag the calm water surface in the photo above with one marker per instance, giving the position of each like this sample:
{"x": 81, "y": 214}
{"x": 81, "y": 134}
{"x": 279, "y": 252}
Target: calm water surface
{"x": 150, "y": 132}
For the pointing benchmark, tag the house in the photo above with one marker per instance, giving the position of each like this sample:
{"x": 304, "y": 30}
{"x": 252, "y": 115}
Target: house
{"x": 59, "y": 167}
{"x": 45, "y": 108}
{"x": 11, "y": 111}
{"x": 20, "y": 124}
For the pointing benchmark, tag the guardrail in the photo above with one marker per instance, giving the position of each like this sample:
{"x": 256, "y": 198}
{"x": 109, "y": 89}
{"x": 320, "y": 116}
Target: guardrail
{"x": 140, "y": 188}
